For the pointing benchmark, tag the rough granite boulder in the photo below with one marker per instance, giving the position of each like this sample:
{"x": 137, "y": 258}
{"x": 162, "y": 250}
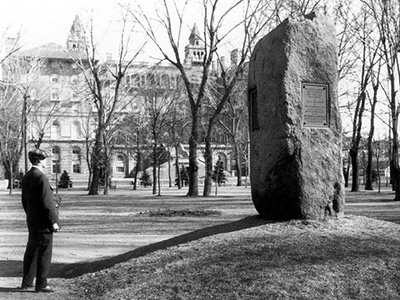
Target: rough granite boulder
{"x": 295, "y": 126}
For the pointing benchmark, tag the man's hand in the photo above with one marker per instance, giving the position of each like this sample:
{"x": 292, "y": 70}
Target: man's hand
{"x": 56, "y": 227}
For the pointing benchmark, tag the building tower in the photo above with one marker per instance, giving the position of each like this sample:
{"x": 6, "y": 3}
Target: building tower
{"x": 194, "y": 52}
{"x": 76, "y": 38}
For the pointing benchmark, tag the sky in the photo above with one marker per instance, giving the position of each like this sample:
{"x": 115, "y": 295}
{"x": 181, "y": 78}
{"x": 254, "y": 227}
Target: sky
{"x": 49, "y": 21}
{"x": 44, "y": 21}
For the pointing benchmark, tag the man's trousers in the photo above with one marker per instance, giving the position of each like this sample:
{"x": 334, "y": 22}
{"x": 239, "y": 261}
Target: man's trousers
{"x": 37, "y": 259}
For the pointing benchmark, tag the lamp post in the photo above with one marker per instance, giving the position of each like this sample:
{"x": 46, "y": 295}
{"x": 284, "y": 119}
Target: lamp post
{"x": 24, "y": 130}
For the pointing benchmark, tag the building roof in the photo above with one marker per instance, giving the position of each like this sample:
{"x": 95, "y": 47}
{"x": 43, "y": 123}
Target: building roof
{"x": 51, "y": 50}
{"x": 194, "y": 35}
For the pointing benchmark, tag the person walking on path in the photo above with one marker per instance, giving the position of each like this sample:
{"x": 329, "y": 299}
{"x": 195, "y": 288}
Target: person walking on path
{"x": 42, "y": 221}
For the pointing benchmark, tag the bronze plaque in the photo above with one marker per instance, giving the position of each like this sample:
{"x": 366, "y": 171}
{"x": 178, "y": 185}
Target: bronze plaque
{"x": 315, "y": 104}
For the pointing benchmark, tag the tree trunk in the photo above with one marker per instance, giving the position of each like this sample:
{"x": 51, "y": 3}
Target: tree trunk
{"x": 238, "y": 160}
{"x": 159, "y": 179}
{"x": 209, "y": 167}
{"x": 216, "y": 181}
{"x": 355, "y": 186}
{"x": 169, "y": 169}
{"x": 138, "y": 160}
{"x": 395, "y": 167}
{"x": 90, "y": 179}
{"x": 346, "y": 172}
{"x": 193, "y": 190}
{"x": 96, "y": 157}
{"x": 11, "y": 183}
{"x": 106, "y": 183}
{"x": 396, "y": 182}
{"x": 94, "y": 186}
{"x": 155, "y": 170}
{"x": 135, "y": 176}
{"x": 89, "y": 164}
{"x": 178, "y": 171}
{"x": 368, "y": 184}
{"x": 368, "y": 170}
{"x": 395, "y": 171}
{"x": 379, "y": 173}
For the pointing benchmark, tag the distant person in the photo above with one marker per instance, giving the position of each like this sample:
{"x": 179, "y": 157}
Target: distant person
{"x": 42, "y": 221}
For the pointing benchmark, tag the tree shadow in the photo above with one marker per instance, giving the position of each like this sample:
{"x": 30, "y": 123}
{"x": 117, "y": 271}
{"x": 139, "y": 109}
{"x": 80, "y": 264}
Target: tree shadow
{"x": 13, "y": 268}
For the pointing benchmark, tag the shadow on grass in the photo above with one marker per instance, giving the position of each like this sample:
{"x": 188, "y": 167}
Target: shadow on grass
{"x": 12, "y": 268}
{"x": 78, "y": 269}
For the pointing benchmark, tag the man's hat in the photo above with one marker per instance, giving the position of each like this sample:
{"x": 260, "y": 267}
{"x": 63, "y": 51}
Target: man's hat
{"x": 37, "y": 154}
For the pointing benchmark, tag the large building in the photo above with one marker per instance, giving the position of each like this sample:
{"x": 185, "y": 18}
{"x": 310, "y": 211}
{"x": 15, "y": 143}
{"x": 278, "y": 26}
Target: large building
{"x": 61, "y": 114}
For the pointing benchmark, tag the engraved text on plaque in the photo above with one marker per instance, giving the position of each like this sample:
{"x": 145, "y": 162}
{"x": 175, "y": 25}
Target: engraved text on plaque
{"x": 315, "y": 104}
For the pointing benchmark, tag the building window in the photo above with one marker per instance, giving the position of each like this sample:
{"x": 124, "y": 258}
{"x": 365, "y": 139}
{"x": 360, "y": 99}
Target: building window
{"x": 76, "y": 132}
{"x": 120, "y": 157}
{"x": 55, "y": 130}
{"x": 55, "y": 160}
{"x": 76, "y": 151}
{"x": 33, "y": 94}
{"x": 76, "y": 160}
{"x": 56, "y": 168}
{"x": 120, "y": 169}
{"x": 74, "y": 96}
{"x": 74, "y": 79}
{"x": 54, "y": 95}
{"x": 150, "y": 79}
{"x": 56, "y": 150}
{"x": 136, "y": 80}
{"x": 165, "y": 80}
{"x": 54, "y": 78}
{"x": 76, "y": 168}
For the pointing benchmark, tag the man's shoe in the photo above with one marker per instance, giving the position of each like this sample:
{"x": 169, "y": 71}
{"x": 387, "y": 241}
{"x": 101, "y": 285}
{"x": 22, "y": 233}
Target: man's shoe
{"x": 46, "y": 289}
{"x": 26, "y": 286}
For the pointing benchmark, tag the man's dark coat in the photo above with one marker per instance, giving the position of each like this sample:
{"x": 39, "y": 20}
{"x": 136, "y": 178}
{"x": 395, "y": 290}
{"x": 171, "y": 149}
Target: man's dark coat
{"x": 37, "y": 200}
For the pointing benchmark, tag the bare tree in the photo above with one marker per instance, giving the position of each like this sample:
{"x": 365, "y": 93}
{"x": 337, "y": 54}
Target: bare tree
{"x": 136, "y": 131}
{"x": 20, "y": 76}
{"x": 292, "y": 8}
{"x": 253, "y": 24}
{"x": 234, "y": 121}
{"x": 373, "y": 101}
{"x": 386, "y": 13}
{"x": 10, "y": 132}
{"x": 8, "y": 46}
{"x": 159, "y": 103}
{"x": 177, "y": 128}
{"x": 218, "y": 28}
{"x": 104, "y": 81}
{"x": 366, "y": 60}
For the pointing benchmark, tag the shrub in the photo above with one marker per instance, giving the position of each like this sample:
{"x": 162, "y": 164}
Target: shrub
{"x": 145, "y": 179}
{"x": 64, "y": 181}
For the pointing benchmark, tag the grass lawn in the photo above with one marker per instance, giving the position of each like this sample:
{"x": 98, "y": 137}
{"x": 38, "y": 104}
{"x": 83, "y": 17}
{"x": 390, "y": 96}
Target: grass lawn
{"x": 351, "y": 258}
{"x": 132, "y": 245}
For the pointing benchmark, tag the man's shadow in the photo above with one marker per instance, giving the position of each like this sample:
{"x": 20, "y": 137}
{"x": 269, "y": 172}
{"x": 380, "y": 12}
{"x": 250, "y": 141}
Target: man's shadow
{"x": 59, "y": 270}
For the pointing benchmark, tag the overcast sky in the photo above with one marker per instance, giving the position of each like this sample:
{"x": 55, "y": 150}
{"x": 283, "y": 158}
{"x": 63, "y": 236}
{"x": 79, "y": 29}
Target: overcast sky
{"x": 49, "y": 21}
{"x": 44, "y": 21}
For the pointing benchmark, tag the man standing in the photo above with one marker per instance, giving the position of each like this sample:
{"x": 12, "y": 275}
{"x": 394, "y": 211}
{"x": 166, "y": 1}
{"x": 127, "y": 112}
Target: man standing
{"x": 42, "y": 221}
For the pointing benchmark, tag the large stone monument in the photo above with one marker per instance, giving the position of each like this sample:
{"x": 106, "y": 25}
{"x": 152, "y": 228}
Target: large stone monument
{"x": 295, "y": 126}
